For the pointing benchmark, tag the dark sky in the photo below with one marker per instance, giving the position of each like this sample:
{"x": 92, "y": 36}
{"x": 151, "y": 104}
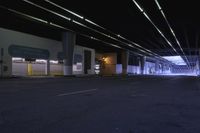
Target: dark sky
{"x": 120, "y": 16}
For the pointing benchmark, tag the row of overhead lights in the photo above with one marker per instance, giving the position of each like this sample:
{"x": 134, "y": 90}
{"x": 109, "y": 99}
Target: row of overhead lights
{"x": 173, "y": 33}
{"x": 73, "y": 13}
{"x": 57, "y": 26}
{"x": 149, "y": 19}
{"x": 64, "y": 28}
{"x": 91, "y": 22}
{"x": 159, "y": 31}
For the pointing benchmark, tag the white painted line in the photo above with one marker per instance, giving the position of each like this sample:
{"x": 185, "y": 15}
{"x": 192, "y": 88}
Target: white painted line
{"x": 135, "y": 83}
{"x": 76, "y": 92}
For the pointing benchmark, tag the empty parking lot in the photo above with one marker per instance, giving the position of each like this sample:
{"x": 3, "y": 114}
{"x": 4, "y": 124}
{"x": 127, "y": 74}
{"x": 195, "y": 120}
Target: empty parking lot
{"x": 134, "y": 104}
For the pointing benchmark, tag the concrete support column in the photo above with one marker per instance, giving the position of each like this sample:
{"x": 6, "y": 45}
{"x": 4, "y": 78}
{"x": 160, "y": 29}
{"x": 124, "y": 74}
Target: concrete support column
{"x": 171, "y": 68}
{"x": 1, "y": 68}
{"x": 125, "y": 59}
{"x": 142, "y": 64}
{"x": 198, "y": 67}
{"x": 1, "y": 62}
{"x": 47, "y": 68}
{"x": 68, "y": 40}
{"x": 157, "y": 67}
{"x": 163, "y": 68}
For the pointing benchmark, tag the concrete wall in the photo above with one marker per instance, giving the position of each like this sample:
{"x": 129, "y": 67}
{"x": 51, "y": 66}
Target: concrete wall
{"x": 111, "y": 67}
{"x": 20, "y": 69}
{"x": 133, "y": 69}
{"x": 80, "y": 51}
{"x": 149, "y": 68}
{"x": 56, "y": 69}
{"x": 38, "y": 69}
{"x": 9, "y": 37}
{"x": 119, "y": 69}
{"x": 130, "y": 69}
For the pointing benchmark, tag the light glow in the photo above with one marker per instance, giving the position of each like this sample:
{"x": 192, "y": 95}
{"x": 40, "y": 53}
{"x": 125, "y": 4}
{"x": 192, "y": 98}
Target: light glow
{"x": 159, "y": 7}
{"x": 139, "y": 7}
{"x": 59, "y": 26}
{"x": 178, "y": 60}
{"x": 54, "y": 62}
{"x": 91, "y": 22}
{"x": 41, "y": 61}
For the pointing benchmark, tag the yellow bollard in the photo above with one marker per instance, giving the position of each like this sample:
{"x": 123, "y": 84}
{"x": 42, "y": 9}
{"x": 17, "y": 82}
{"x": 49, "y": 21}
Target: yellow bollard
{"x": 30, "y": 69}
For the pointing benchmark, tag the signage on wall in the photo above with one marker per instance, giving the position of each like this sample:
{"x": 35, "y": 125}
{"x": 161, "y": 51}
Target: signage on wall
{"x": 28, "y": 52}
{"x": 79, "y": 66}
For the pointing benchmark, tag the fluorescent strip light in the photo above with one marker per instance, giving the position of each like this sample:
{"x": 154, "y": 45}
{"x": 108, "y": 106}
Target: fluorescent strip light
{"x": 59, "y": 26}
{"x": 29, "y": 2}
{"x": 177, "y": 41}
{"x": 140, "y": 8}
{"x": 56, "y": 25}
{"x": 159, "y": 7}
{"x": 145, "y": 14}
{"x": 75, "y": 14}
{"x": 89, "y": 21}
{"x": 28, "y": 16}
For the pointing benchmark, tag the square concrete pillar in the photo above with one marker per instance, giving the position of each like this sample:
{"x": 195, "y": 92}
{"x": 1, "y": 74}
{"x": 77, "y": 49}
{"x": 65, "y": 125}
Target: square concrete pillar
{"x": 142, "y": 64}
{"x": 125, "y": 58}
{"x": 68, "y": 40}
{"x": 157, "y": 69}
{"x": 47, "y": 68}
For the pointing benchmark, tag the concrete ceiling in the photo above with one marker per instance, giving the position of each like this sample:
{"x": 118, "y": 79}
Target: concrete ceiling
{"x": 119, "y": 17}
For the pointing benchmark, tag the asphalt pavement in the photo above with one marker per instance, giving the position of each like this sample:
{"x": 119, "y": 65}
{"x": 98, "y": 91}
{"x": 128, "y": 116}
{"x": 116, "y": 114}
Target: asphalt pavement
{"x": 126, "y": 104}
